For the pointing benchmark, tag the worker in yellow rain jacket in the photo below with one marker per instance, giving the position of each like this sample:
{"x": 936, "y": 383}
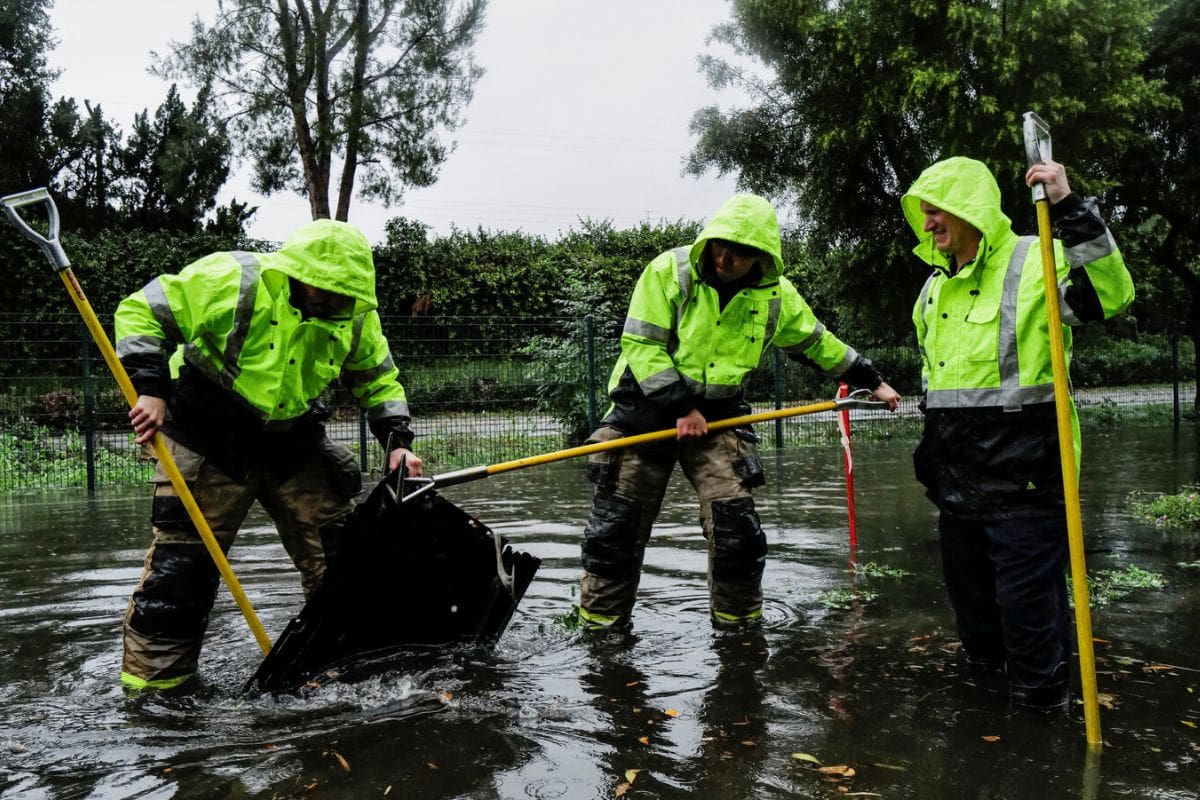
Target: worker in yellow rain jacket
{"x": 989, "y": 454}
{"x": 699, "y": 320}
{"x": 262, "y": 335}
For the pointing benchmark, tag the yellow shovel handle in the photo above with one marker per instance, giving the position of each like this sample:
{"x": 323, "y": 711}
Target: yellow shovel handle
{"x": 1070, "y": 473}
{"x": 165, "y": 459}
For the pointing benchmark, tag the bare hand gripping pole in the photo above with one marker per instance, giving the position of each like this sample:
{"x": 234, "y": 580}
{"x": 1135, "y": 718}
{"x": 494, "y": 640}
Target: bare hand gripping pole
{"x": 855, "y": 400}
{"x": 58, "y": 260}
{"x": 1037, "y": 151}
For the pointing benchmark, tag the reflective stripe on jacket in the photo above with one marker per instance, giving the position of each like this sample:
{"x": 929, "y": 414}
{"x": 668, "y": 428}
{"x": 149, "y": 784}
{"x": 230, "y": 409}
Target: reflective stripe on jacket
{"x": 990, "y": 445}
{"x": 680, "y": 350}
{"x": 233, "y": 316}
{"x": 983, "y": 332}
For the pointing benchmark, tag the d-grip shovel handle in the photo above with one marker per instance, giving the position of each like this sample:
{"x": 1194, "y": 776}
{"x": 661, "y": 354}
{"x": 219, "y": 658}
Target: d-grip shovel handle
{"x": 1037, "y": 148}
{"x": 49, "y": 244}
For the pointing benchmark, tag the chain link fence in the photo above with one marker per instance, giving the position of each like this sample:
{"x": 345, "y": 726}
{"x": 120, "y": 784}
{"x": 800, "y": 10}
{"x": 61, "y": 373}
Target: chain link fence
{"x": 482, "y": 390}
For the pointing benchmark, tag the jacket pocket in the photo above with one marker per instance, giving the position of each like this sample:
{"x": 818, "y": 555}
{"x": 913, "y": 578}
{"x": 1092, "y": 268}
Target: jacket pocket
{"x": 981, "y": 333}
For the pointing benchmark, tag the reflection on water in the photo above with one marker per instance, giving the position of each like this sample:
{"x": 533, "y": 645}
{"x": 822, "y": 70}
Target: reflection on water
{"x": 673, "y": 708}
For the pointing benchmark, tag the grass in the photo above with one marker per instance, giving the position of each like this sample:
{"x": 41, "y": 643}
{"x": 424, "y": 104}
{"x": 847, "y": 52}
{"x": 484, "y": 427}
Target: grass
{"x": 1109, "y": 585}
{"x": 1180, "y": 511}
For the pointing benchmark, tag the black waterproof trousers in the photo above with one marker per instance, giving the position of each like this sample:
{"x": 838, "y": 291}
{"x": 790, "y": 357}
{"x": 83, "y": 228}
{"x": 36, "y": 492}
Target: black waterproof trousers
{"x": 1006, "y": 582}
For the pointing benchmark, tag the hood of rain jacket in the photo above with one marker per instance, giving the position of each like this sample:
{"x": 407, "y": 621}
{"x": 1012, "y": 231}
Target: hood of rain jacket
{"x": 746, "y": 219}
{"x": 965, "y": 188}
{"x": 330, "y": 255}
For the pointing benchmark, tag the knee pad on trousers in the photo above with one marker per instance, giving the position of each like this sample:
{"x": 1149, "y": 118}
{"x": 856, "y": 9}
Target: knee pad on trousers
{"x": 739, "y": 544}
{"x": 169, "y": 513}
{"x": 177, "y": 593}
{"x": 609, "y": 539}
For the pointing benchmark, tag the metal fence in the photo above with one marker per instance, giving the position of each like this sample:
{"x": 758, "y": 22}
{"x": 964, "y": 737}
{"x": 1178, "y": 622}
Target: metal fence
{"x": 482, "y": 390}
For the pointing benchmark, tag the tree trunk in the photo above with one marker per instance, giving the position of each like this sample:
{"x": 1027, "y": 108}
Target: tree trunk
{"x": 362, "y": 46}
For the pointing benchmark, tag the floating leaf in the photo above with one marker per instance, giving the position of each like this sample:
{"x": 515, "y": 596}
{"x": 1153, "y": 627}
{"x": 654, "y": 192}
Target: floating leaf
{"x": 840, "y": 770}
{"x": 631, "y": 775}
{"x": 990, "y": 738}
{"x": 446, "y": 697}
{"x": 632, "y": 684}
{"x": 431, "y": 765}
{"x": 388, "y": 790}
{"x": 345, "y": 764}
{"x": 670, "y": 712}
{"x": 622, "y": 788}
{"x": 806, "y": 757}
{"x": 1109, "y": 701}
{"x": 1188, "y": 722}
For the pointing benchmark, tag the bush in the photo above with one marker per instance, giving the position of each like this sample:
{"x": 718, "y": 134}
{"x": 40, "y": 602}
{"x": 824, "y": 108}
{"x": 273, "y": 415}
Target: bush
{"x": 1099, "y": 359}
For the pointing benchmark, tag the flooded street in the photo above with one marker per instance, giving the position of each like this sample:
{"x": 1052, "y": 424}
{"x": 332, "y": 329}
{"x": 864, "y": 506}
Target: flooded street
{"x": 851, "y": 668}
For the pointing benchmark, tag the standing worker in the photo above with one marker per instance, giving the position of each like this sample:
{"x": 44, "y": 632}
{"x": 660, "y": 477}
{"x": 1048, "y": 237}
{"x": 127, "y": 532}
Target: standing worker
{"x": 989, "y": 455}
{"x": 262, "y": 335}
{"x": 699, "y": 321}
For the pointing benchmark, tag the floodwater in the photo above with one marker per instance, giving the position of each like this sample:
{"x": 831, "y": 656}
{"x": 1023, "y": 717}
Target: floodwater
{"x": 673, "y": 709}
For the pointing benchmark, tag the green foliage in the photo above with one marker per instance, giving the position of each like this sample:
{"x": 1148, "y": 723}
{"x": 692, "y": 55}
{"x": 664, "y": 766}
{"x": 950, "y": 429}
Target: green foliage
{"x": 171, "y": 167}
{"x": 32, "y": 456}
{"x": 1098, "y": 359}
{"x": 1110, "y": 585}
{"x": 873, "y": 570}
{"x": 846, "y": 599}
{"x": 854, "y": 99}
{"x": 24, "y": 95}
{"x": 1179, "y": 511}
{"x": 376, "y": 85}
{"x": 1160, "y": 191}
{"x": 109, "y": 264}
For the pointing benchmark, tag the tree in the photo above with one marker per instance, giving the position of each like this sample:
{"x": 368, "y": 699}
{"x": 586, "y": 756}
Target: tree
{"x": 171, "y": 167}
{"x": 371, "y": 83}
{"x": 24, "y": 94}
{"x": 859, "y": 96}
{"x": 1162, "y": 175}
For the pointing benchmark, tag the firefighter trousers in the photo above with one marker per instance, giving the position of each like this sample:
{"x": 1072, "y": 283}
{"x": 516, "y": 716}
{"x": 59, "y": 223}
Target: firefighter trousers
{"x": 168, "y": 613}
{"x": 629, "y": 488}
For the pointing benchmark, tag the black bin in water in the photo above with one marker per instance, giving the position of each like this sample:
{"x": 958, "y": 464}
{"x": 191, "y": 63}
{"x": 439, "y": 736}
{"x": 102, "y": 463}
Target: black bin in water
{"x": 400, "y": 577}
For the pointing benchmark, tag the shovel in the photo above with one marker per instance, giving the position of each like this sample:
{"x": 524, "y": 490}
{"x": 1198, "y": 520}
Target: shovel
{"x": 53, "y": 249}
{"x": 854, "y": 400}
{"x": 1037, "y": 151}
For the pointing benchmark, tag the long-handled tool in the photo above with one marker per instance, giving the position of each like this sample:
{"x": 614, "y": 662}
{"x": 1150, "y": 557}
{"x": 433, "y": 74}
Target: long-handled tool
{"x": 53, "y": 249}
{"x": 1037, "y": 150}
{"x": 855, "y": 400}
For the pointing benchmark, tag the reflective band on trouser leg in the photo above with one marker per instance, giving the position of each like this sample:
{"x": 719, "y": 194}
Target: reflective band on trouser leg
{"x": 137, "y": 684}
{"x": 738, "y": 553}
{"x": 596, "y": 622}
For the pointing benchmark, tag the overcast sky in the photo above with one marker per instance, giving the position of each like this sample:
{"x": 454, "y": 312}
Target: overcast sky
{"x": 583, "y": 111}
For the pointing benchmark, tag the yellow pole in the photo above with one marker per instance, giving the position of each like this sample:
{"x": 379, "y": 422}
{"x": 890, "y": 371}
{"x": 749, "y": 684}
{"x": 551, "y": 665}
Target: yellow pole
{"x": 475, "y": 473}
{"x": 1070, "y": 473}
{"x": 655, "y": 436}
{"x": 165, "y": 458}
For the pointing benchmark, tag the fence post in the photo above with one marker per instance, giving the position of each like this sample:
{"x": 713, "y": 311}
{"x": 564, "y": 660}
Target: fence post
{"x": 89, "y": 409}
{"x": 362, "y": 441}
{"x": 1175, "y": 373}
{"x": 590, "y": 334}
{"x": 777, "y": 373}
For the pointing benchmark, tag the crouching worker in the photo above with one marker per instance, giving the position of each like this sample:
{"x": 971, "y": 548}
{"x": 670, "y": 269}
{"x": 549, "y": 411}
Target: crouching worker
{"x": 262, "y": 335}
{"x": 699, "y": 320}
{"x": 989, "y": 455}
